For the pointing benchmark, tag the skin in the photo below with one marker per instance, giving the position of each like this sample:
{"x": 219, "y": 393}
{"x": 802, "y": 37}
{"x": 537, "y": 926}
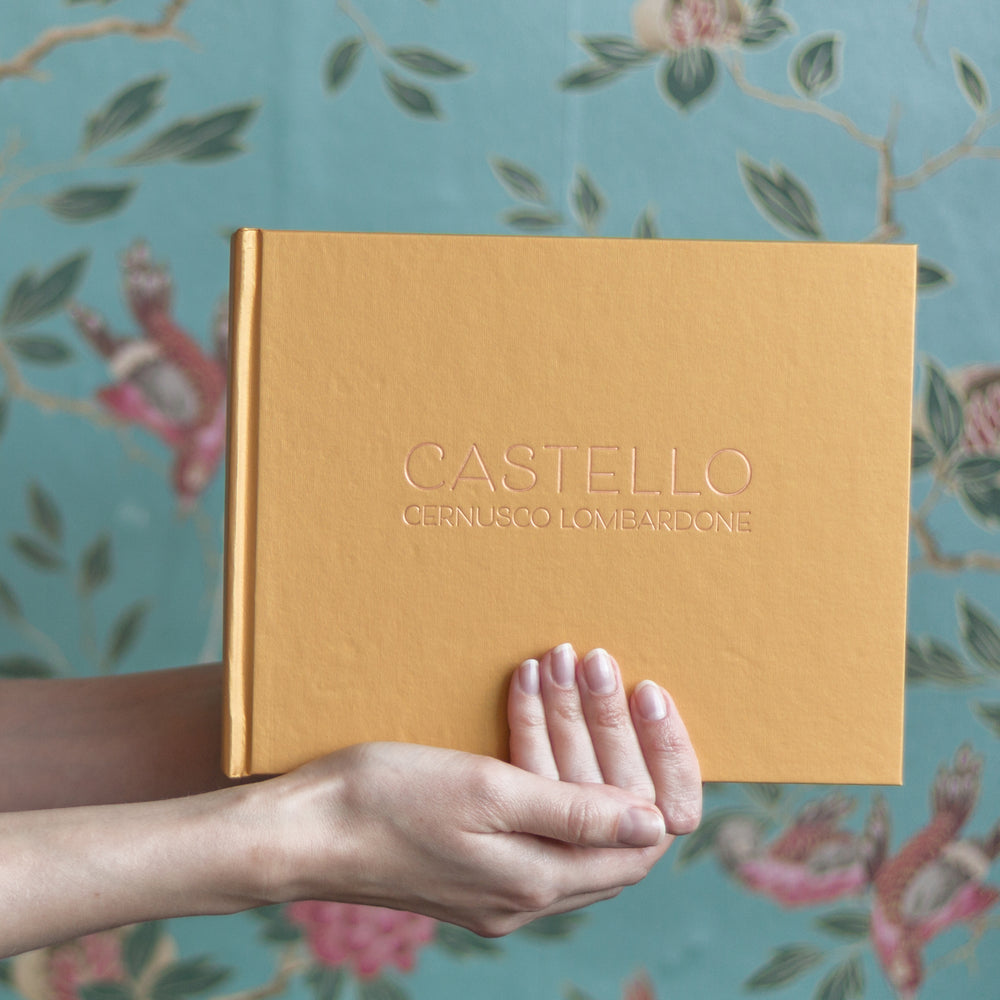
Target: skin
{"x": 114, "y": 812}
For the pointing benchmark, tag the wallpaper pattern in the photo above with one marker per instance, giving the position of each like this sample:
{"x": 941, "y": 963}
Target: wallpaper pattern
{"x": 137, "y": 135}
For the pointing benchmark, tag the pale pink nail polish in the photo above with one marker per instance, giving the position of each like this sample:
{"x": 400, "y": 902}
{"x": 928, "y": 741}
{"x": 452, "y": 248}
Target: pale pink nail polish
{"x": 564, "y": 665}
{"x": 598, "y": 673}
{"x": 650, "y": 702}
{"x": 527, "y": 677}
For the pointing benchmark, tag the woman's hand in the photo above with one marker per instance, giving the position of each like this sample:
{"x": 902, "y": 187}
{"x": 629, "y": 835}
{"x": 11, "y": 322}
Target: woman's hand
{"x": 587, "y": 807}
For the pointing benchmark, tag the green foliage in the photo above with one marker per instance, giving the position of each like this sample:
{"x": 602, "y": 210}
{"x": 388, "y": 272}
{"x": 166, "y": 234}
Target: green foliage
{"x": 815, "y": 64}
{"x": 980, "y": 633}
{"x": 106, "y": 989}
{"x": 687, "y": 77}
{"x": 140, "y": 946}
{"x": 212, "y": 136}
{"x": 781, "y": 198}
{"x": 518, "y": 180}
{"x": 35, "y": 553}
{"x": 702, "y": 840}
{"x": 615, "y": 50}
{"x": 187, "y": 978}
{"x": 943, "y": 409}
{"x": 971, "y": 82}
{"x": 127, "y": 110}
{"x": 341, "y": 63}
{"x": 325, "y": 983}
{"x": 845, "y": 981}
{"x": 586, "y": 199}
{"x": 277, "y": 927}
{"x": 9, "y": 606}
{"x": 22, "y": 665}
{"x": 530, "y": 220}
{"x": 930, "y": 660}
{"x": 932, "y": 277}
{"x": 786, "y": 964}
{"x": 556, "y": 927}
{"x": 411, "y": 98}
{"x": 590, "y": 76}
{"x": 381, "y": 989}
{"x": 921, "y": 451}
{"x": 125, "y": 632}
{"x": 44, "y": 513}
{"x": 461, "y": 942}
{"x": 428, "y": 62}
{"x": 850, "y": 924}
{"x": 764, "y": 25}
{"x": 95, "y": 564}
{"x": 989, "y": 714}
{"x": 766, "y": 793}
{"x": 39, "y": 348}
{"x": 81, "y": 204}
{"x": 32, "y": 296}
{"x": 645, "y": 227}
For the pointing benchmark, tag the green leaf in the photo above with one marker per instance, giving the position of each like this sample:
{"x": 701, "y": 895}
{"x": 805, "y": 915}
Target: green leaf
{"x": 341, "y": 62}
{"x": 33, "y": 552}
{"x": 4, "y": 412}
{"x": 81, "y": 204}
{"x": 943, "y": 408}
{"x": 989, "y": 713}
{"x": 5, "y": 977}
{"x": 127, "y": 110}
{"x": 32, "y": 297}
{"x": 983, "y": 498}
{"x": 519, "y": 181}
{"x": 845, "y": 981}
{"x": 571, "y": 992}
{"x": 325, "y": 982}
{"x": 587, "y": 201}
{"x": 39, "y": 348}
{"x": 850, "y": 924}
{"x": 209, "y": 137}
{"x": 412, "y": 99}
{"x": 44, "y": 513}
{"x": 589, "y": 76}
{"x": 921, "y": 451}
{"x": 530, "y": 220}
{"x": 555, "y": 927}
{"x": 140, "y": 946}
{"x": 932, "y": 277}
{"x": 645, "y": 226}
{"x": 781, "y": 198}
{"x": 277, "y": 927}
{"x": 980, "y": 633}
{"x": 426, "y": 61}
{"x": 688, "y": 77}
{"x": 461, "y": 942}
{"x": 929, "y": 660}
{"x": 766, "y": 793}
{"x": 95, "y": 564}
{"x": 971, "y": 82}
{"x": 187, "y": 978}
{"x": 617, "y": 50}
{"x": 9, "y": 605}
{"x": 22, "y": 665}
{"x": 702, "y": 840}
{"x": 978, "y": 468}
{"x": 125, "y": 631}
{"x": 765, "y": 26}
{"x": 815, "y": 64}
{"x": 785, "y": 965}
{"x": 106, "y": 989}
{"x": 380, "y": 989}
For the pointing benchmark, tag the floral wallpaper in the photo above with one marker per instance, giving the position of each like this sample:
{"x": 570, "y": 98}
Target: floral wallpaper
{"x": 137, "y": 134}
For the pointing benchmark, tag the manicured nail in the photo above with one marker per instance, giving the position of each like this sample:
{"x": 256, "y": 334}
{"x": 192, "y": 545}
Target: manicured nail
{"x": 598, "y": 672}
{"x": 641, "y": 827}
{"x": 564, "y": 665}
{"x": 650, "y": 701}
{"x": 527, "y": 677}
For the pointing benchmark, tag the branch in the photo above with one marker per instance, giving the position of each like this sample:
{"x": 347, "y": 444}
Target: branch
{"x": 289, "y": 967}
{"x": 935, "y": 559}
{"x": 964, "y": 148}
{"x": 24, "y": 63}
{"x": 802, "y": 104}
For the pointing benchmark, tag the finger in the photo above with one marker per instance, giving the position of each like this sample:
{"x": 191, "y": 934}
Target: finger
{"x": 670, "y": 757}
{"x": 572, "y": 748}
{"x": 609, "y": 722}
{"x": 583, "y": 815}
{"x": 530, "y": 748}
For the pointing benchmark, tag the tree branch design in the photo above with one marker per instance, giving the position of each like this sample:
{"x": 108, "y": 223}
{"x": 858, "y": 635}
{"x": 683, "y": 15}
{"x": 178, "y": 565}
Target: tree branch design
{"x": 26, "y": 61}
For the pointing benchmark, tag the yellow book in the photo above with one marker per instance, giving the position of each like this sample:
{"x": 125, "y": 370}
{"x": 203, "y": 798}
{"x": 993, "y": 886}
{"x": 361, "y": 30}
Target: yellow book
{"x": 450, "y": 453}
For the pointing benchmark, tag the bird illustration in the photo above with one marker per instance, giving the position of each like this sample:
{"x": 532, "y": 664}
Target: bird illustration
{"x": 935, "y": 880}
{"x": 814, "y": 860}
{"x": 163, "y": 380}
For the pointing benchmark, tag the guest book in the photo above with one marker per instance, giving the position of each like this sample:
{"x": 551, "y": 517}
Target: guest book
{"x": 450, "y": 453}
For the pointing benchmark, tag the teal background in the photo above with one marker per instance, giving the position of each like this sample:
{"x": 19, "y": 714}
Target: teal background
{"x": 117, "y": 563}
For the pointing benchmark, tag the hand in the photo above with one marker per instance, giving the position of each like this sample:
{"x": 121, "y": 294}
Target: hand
{"x": 478, "y": 842}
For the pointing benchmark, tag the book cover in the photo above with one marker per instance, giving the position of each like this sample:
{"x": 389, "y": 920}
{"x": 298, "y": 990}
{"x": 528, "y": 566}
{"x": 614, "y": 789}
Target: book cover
{"x": 449, "y": 453}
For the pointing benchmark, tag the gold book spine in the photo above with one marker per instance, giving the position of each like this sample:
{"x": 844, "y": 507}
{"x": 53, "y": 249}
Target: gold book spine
{"x": 241, "y": 488}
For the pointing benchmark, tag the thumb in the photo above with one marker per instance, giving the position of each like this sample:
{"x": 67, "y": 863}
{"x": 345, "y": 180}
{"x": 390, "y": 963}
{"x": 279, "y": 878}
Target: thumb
{"x": 586, "y": 815}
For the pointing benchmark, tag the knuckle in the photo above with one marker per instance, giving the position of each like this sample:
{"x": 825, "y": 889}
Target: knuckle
{"x": 583, "y": 822}
{"x": 683, "y": 816}
{"x": 608, "y": 713}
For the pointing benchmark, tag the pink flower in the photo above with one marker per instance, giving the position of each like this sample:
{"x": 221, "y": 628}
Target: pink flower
{"x": 980, "y": 389}
{"x": 60, "y": 972}
{"x": 676, "y": 25}
{"x": 365, "y": 938}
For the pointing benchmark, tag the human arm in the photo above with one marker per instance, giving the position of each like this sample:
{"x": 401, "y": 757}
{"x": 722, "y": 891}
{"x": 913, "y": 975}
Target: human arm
{"x": 463, "y": 838}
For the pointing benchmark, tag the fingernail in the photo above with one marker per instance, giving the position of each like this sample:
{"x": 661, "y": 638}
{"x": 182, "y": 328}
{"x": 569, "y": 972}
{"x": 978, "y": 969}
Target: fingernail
{"x": 598, "y": 672}
{"x": 527, "y": 677}
{"x": 650, "y": 701}
{"x": 564, "y": 665}
{"x": 641, "y": 827}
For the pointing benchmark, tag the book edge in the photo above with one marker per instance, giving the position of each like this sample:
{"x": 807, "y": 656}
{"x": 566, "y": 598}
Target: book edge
{"x": 241, "y": 511}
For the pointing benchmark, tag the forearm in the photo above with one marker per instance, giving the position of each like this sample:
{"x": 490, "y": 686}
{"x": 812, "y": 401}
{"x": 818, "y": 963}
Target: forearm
{"x": 67, "y": 872}
{"x": 132, "y": 738}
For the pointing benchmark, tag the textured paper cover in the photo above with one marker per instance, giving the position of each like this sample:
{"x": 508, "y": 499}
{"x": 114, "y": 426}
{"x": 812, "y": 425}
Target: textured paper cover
{"x": 762, "y": 389}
